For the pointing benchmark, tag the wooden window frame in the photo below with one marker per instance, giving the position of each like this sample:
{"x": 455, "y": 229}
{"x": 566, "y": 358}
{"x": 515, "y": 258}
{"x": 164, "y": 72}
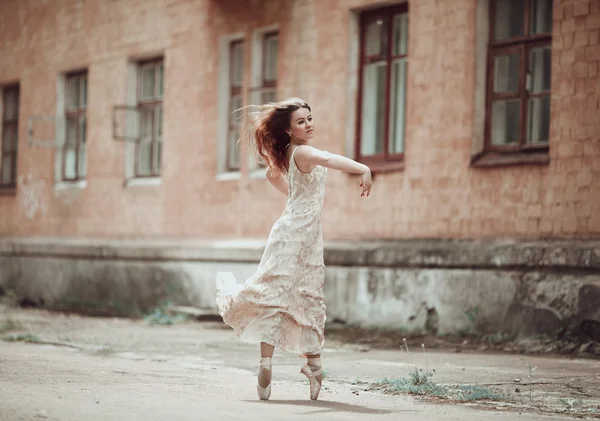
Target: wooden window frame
{"x": 266, "y": 83}
{"x": 523, "y": 45}
{"x": 155, "y": 104}
{"x": 12, "y": 125}
{"x": 74, "y": 114}
{"x": 235, "y": 90}
{"x": 385, "y": 161}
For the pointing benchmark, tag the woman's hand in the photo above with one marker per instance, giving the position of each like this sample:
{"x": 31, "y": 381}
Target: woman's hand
{"x": 366, "y": 181}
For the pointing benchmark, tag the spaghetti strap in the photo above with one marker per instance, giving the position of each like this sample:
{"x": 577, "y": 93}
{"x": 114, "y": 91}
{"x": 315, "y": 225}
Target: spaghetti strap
{"x": 293, "y": 152}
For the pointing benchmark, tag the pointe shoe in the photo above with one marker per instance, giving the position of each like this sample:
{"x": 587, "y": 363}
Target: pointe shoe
{"x": 315, "y": 386}
{"x": 264, "y": 392}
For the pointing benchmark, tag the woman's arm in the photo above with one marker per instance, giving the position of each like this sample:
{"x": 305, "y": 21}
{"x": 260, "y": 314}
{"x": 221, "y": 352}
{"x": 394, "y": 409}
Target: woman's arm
{"x": 278, "y": 181}
{"x": 307, "y": 157}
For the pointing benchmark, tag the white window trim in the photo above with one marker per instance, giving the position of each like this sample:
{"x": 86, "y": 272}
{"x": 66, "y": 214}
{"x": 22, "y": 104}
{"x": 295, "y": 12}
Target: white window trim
{"x": 70, "y": 185}
{"x": 255, "y": 171}
{"x": 352, "y": 83}
{"x": 480, "y": 67}
{"x": 143, "y": 181}
{"x": 224, "y": 88}
{"x": 130, "y": 99}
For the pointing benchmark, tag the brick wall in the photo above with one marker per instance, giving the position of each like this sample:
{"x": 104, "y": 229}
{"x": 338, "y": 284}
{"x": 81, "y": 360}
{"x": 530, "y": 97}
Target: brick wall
{"x": 438, "y": 194}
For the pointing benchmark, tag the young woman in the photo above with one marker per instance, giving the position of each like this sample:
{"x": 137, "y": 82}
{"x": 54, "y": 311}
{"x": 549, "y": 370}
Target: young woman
{"x": 282, "y": 304}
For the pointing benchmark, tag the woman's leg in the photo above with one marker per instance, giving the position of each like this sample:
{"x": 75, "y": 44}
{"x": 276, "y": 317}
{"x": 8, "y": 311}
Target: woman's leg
{"x": 314, "y": 362}
{"x": 266, "y": 353}
{"x": 312, "y": 370}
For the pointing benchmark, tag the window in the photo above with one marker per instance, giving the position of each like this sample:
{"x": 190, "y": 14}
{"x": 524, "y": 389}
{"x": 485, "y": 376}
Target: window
{"x": 150, "y": 105}
{"x": 264, "y": 77}
{"x": 518, "y": 80}
{"x": 236, "y": 76}
{"x": 270, "y": 49}
{"x": 74, "y": 150}
{"x": 382, "y": 84}
{"x": 264, "y": 74}
{"x": 10, "y": 136}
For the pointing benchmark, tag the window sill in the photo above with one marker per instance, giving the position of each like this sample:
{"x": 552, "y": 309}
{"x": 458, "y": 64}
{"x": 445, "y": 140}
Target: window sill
{"x": 143, "y": 182}
{"x": 229, "y": 176}
{"x": 8, "y": 190}
{"x": 70, "y": 185}
{"x": 258, "y": 174}
{"x": 498, "y": 159}
{"x": 380, "y": 167}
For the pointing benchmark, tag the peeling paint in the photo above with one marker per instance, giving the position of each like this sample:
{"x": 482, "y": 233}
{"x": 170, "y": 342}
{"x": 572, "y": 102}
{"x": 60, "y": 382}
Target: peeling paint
{"x": 31, "y": 195}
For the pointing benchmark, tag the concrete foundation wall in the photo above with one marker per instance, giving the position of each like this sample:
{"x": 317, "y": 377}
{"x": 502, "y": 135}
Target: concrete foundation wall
{"x": 443, "y": 287}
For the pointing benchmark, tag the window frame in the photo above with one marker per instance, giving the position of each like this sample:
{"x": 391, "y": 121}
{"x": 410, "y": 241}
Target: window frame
{"x": 234, "y": 90}
{"x": 262, "y": 84}
{"x": 383, "y": 161}
{"x": 269, "y": 83}
{"x": 155, "y": 104}
{"x": 523, "y": 45}
{"x": 12, "y": 125}
{"x": 75, "y": 114}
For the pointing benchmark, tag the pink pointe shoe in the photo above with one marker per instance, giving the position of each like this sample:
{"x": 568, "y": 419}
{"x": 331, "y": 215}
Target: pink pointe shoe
{"x": 264, "y": 392}
{"x": 315, "y": 386}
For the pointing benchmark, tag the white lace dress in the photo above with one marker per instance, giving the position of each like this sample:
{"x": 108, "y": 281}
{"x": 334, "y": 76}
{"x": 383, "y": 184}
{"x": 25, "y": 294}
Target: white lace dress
{"x": 282, "y": 303}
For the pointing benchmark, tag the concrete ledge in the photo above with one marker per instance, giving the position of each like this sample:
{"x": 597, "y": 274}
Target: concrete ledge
{"x": 506, "y": 254}
{"x": 437, "y": 286}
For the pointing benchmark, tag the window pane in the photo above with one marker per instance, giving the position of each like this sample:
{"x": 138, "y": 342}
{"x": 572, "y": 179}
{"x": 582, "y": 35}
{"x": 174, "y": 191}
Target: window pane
{"x": 509, "y": 19}
{"x": 161, "y": 80}
{"x": 398, "y": 110}
{"x": 373, "y": 109}
{"x": 540, "y": 64}
{"x": 538, "y": 124}
{"x": 70, "y": 163}
{"x": 158, "y": 119}
{"x": 82, "y": 148}
{"x": 541, "y": 16}
{"x": 375, "y": 38}
{"x": 146, "y": 122}
{"x": 235, "y": 103}
{"x": 400, "y": 40}
{"x": 233, "y": 153}
{"x": 237, "y": 64}
{"x": 11, "y": 104}
{"x": 144, "y": 157}
{"x": 267, "y": 96}
{"x": 147, "y": 75}
{"x": 9, "y": 139}
{"x": 7, "y": 168}
{"x": 506, "y": 121}
{"x": 83, "y": 91}
{"x": 271, "y": 51}
{"x": 506, "y": 73}
{"x": 70, "y": 150}
{"x": 73, "y": 94}
{"x": 157, "y": 146}
{"x": 72, "y": 128}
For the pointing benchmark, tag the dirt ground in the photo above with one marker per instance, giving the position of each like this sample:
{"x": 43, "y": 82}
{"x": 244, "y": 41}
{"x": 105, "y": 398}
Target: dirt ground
{"x": 68, "y": 367}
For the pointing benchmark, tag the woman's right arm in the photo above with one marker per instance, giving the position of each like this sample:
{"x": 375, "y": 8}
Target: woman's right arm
{"x": 311, "y": 156}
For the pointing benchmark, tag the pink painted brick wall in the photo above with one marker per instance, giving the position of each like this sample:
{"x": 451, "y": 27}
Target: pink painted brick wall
{"x": 438, "y": 194}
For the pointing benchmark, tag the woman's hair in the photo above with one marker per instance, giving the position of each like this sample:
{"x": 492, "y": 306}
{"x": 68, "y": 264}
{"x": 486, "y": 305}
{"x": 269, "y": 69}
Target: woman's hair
{"x": 266, "y": 131}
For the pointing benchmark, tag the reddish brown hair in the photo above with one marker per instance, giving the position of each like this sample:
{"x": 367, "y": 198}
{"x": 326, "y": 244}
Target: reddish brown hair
{"x": 267, "y": 134}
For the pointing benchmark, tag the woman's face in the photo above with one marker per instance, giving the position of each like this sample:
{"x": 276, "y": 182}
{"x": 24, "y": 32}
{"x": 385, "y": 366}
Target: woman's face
{"x": 301, "y": 126}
